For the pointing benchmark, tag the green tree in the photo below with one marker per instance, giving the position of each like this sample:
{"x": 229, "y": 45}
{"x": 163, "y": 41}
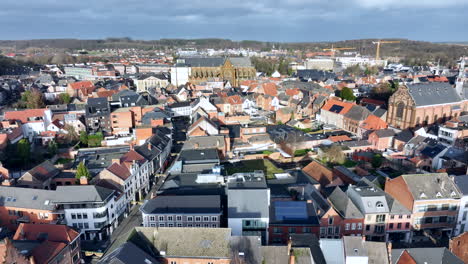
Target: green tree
{"x": 353, "y": 70}
{"x": 64, "y": 98}
{"x": 95, "y": 140}
{"x": 23, "y": 149}
{"x": 377, "y": 161}
{"x": 84, "y": 138}
{"x": 52, "y": 147}
{"x": 82, "y": 170}
{"x": 347, "y": 94}
{"x": 334, "y": 154}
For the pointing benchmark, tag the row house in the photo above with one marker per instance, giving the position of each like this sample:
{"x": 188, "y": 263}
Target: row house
{"x": 97, "y": 115}
{"x": 182, "y": 211}
{"x": 433, "y": 200}
{"x": 130, "y": 174}
{"x": 462, "y": 219}
{"x": 291, "y": 217}
{"x": 342, "y": 218}
{"x": 333, "y": 112}
{"x": 354, "y": 118}
{"x": 81, "y": 89}
{"x": 372, "y": 203}
{"x": 157, "y": 150}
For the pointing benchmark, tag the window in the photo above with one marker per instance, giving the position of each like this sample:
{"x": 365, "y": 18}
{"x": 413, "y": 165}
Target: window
{"x": 197, "y": 218}
{"x": 462, "y": 228}
{"x": 162, "y": 225}
{"x": 408, "y": 216}
{"x": 206, "y": 225}
{"x": 170, "y": 218}
{"x": 390, "y": 226}
{"x": 407, "y": 225}
{"x": 380, "y": 218}
{"x": 367, "y": 227}
{"x": 179, "y": 224}
{"x": 353, "y": 226}
{"x": 445, "y": 207}
{"x": 152, "y": 218}
{"x": 337, "y": 230}
{"x": 189, "y": 225}
{"x": 170, "y": 225}
{"x": 178, "y": 218}
{"x": 400, "y": 110}
{"x": 73, "y": 216}
{"x": 161, "y": 218}
{"x": 399, "y": 225}
{"x": 173, "y": 262}
{"x": 307, "y": 230}
{"x": 206, "y": 218}
{"x": 379, "y": 229}
{"x": 323, "y": 231}
{"x": 85, "y": 216}
{"x": 400, "y": 216}
{"x": 292, "y": 230}
{"x": 392, "y": 217}
{"x": 277, "y": 230}
{"x": 453, "y": 207}
{"x": 379, "y": 205}
{"x": 359, "y": 226}
{"x": 214, "y": 219}
{"x": 330, "y": 221}
{"x": 347, "y": 227}
{"x": 464, "y": 215}
{"x": 79, "y": 216}
{"x": 197, "y": 225}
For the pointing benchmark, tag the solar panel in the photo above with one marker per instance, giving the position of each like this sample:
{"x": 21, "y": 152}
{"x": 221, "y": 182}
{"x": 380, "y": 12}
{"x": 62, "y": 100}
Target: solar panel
{"x": 286, "y": 210}
{"x": 336, "y": 108}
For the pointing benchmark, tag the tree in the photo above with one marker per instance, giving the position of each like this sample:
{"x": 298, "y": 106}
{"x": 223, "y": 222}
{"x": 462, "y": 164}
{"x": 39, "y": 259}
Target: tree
{"x": 373, "y": 70}
{"x": 95, "y": 140}
{"x": 64, "y": 98}
{"x": 353, "y": 70}
{"x": 84, "y": 138}
{"x": 23, "y": 149}
{"x": 82, "y": 171}
{"x": 347, "y": 94}
{"x": 32, "y": 99}
{"x": 52, "y": 147}
{"x": 377, "y": 161}
{"x": 334, "y": 154}
{"x": 71, "y": 136}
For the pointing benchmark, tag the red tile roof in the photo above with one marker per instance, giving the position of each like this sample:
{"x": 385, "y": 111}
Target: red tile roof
{"x": 372, "y": 101}
{"x": 292, "y": 92}
{"x": 235, "y": 100}
{"x": 131, "y": 156}
{"x": 270, "y": 89}
{"x": 46, "y": 251}
{"x": 373, "y": 122}
{"x": 346, "y": 106}
{"x": 319, "y": 172}
{"x": 57, "y": 233}
{"x": 81, "y": 85}
{"x": 339, "y": 138}
{"x": 119, "y": 170}
{"x": 24, "y": 115}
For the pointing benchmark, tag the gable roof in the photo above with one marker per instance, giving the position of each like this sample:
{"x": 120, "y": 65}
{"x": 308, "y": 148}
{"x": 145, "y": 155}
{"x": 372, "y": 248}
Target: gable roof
{"x": 128, "y": 253}
{"x": 81, "y": 85}
{"x": 56, "y": 233}
{"x": 425, "y": 94}
{"x": 383, "y": 133}
{"x": 119, "y": 170}
{"x": 25, "y": 115}
{"x": 319, "y": 172}
{"x": 427, "y": 255}
{"x": 428, "y": 186}
{"x": 337, "y": 107}
{"x": 42, "y": 172}
{"x": 343, "y": 205}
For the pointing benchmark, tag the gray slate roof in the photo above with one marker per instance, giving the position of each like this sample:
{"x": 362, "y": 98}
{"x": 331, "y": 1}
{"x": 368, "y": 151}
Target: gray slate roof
{"x": 433, "y": 93}
{"x": 241, "y": 62}
{"x": 344, "y": 205}
{"x": 26, "y": 198}
{"x": 431, "y": 184}
{"x": 428, "y": 255}
{"x": 202, "y": 204}
{"x": 128, "y": 253}
{"x": 82, "y": 193}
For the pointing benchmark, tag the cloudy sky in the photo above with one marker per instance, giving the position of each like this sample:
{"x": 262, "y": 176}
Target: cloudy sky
{"x": 267, "y": 20}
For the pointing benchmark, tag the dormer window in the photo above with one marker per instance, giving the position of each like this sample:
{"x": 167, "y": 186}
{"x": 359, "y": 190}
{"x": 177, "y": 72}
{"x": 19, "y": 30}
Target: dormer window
{"x": 422, "y": 195}
{"x": 438, "y": 195}
{"x": 379, "y": 205}
{"x": 453, "y": 194}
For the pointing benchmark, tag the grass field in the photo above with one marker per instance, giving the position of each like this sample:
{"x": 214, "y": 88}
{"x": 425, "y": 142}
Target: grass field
{"x": 251, "y": 165}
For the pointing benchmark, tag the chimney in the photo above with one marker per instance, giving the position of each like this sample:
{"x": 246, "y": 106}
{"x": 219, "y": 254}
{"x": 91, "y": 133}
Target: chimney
{"x": 149, "y": 146}
{"x": 292, "y": 258}
{"x": 289, "y": 245}
{"x": 389, "y": 250}
{"x": 83, "y": 180}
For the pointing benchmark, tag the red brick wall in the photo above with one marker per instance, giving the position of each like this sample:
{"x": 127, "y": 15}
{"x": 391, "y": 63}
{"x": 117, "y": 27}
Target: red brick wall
{"x": 32, "y": 214}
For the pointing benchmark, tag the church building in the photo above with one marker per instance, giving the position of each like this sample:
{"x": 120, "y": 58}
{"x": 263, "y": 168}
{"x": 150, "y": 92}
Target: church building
{"x": 423, "y": 104}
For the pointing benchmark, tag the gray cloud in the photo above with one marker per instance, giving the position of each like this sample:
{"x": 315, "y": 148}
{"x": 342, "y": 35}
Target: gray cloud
{"x": 281, "y": 20}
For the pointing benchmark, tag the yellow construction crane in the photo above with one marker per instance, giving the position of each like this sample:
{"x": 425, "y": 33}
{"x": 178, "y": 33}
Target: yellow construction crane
{"x": 333, "y": 50}
{"x": 378, "y": 43}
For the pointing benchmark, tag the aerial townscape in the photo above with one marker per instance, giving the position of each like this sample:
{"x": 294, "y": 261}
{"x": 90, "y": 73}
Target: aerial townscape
{"x": 211, "y": 151}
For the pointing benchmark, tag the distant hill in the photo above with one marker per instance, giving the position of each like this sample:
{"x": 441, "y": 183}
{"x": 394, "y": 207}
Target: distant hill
{"x": 414, "y": 51}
